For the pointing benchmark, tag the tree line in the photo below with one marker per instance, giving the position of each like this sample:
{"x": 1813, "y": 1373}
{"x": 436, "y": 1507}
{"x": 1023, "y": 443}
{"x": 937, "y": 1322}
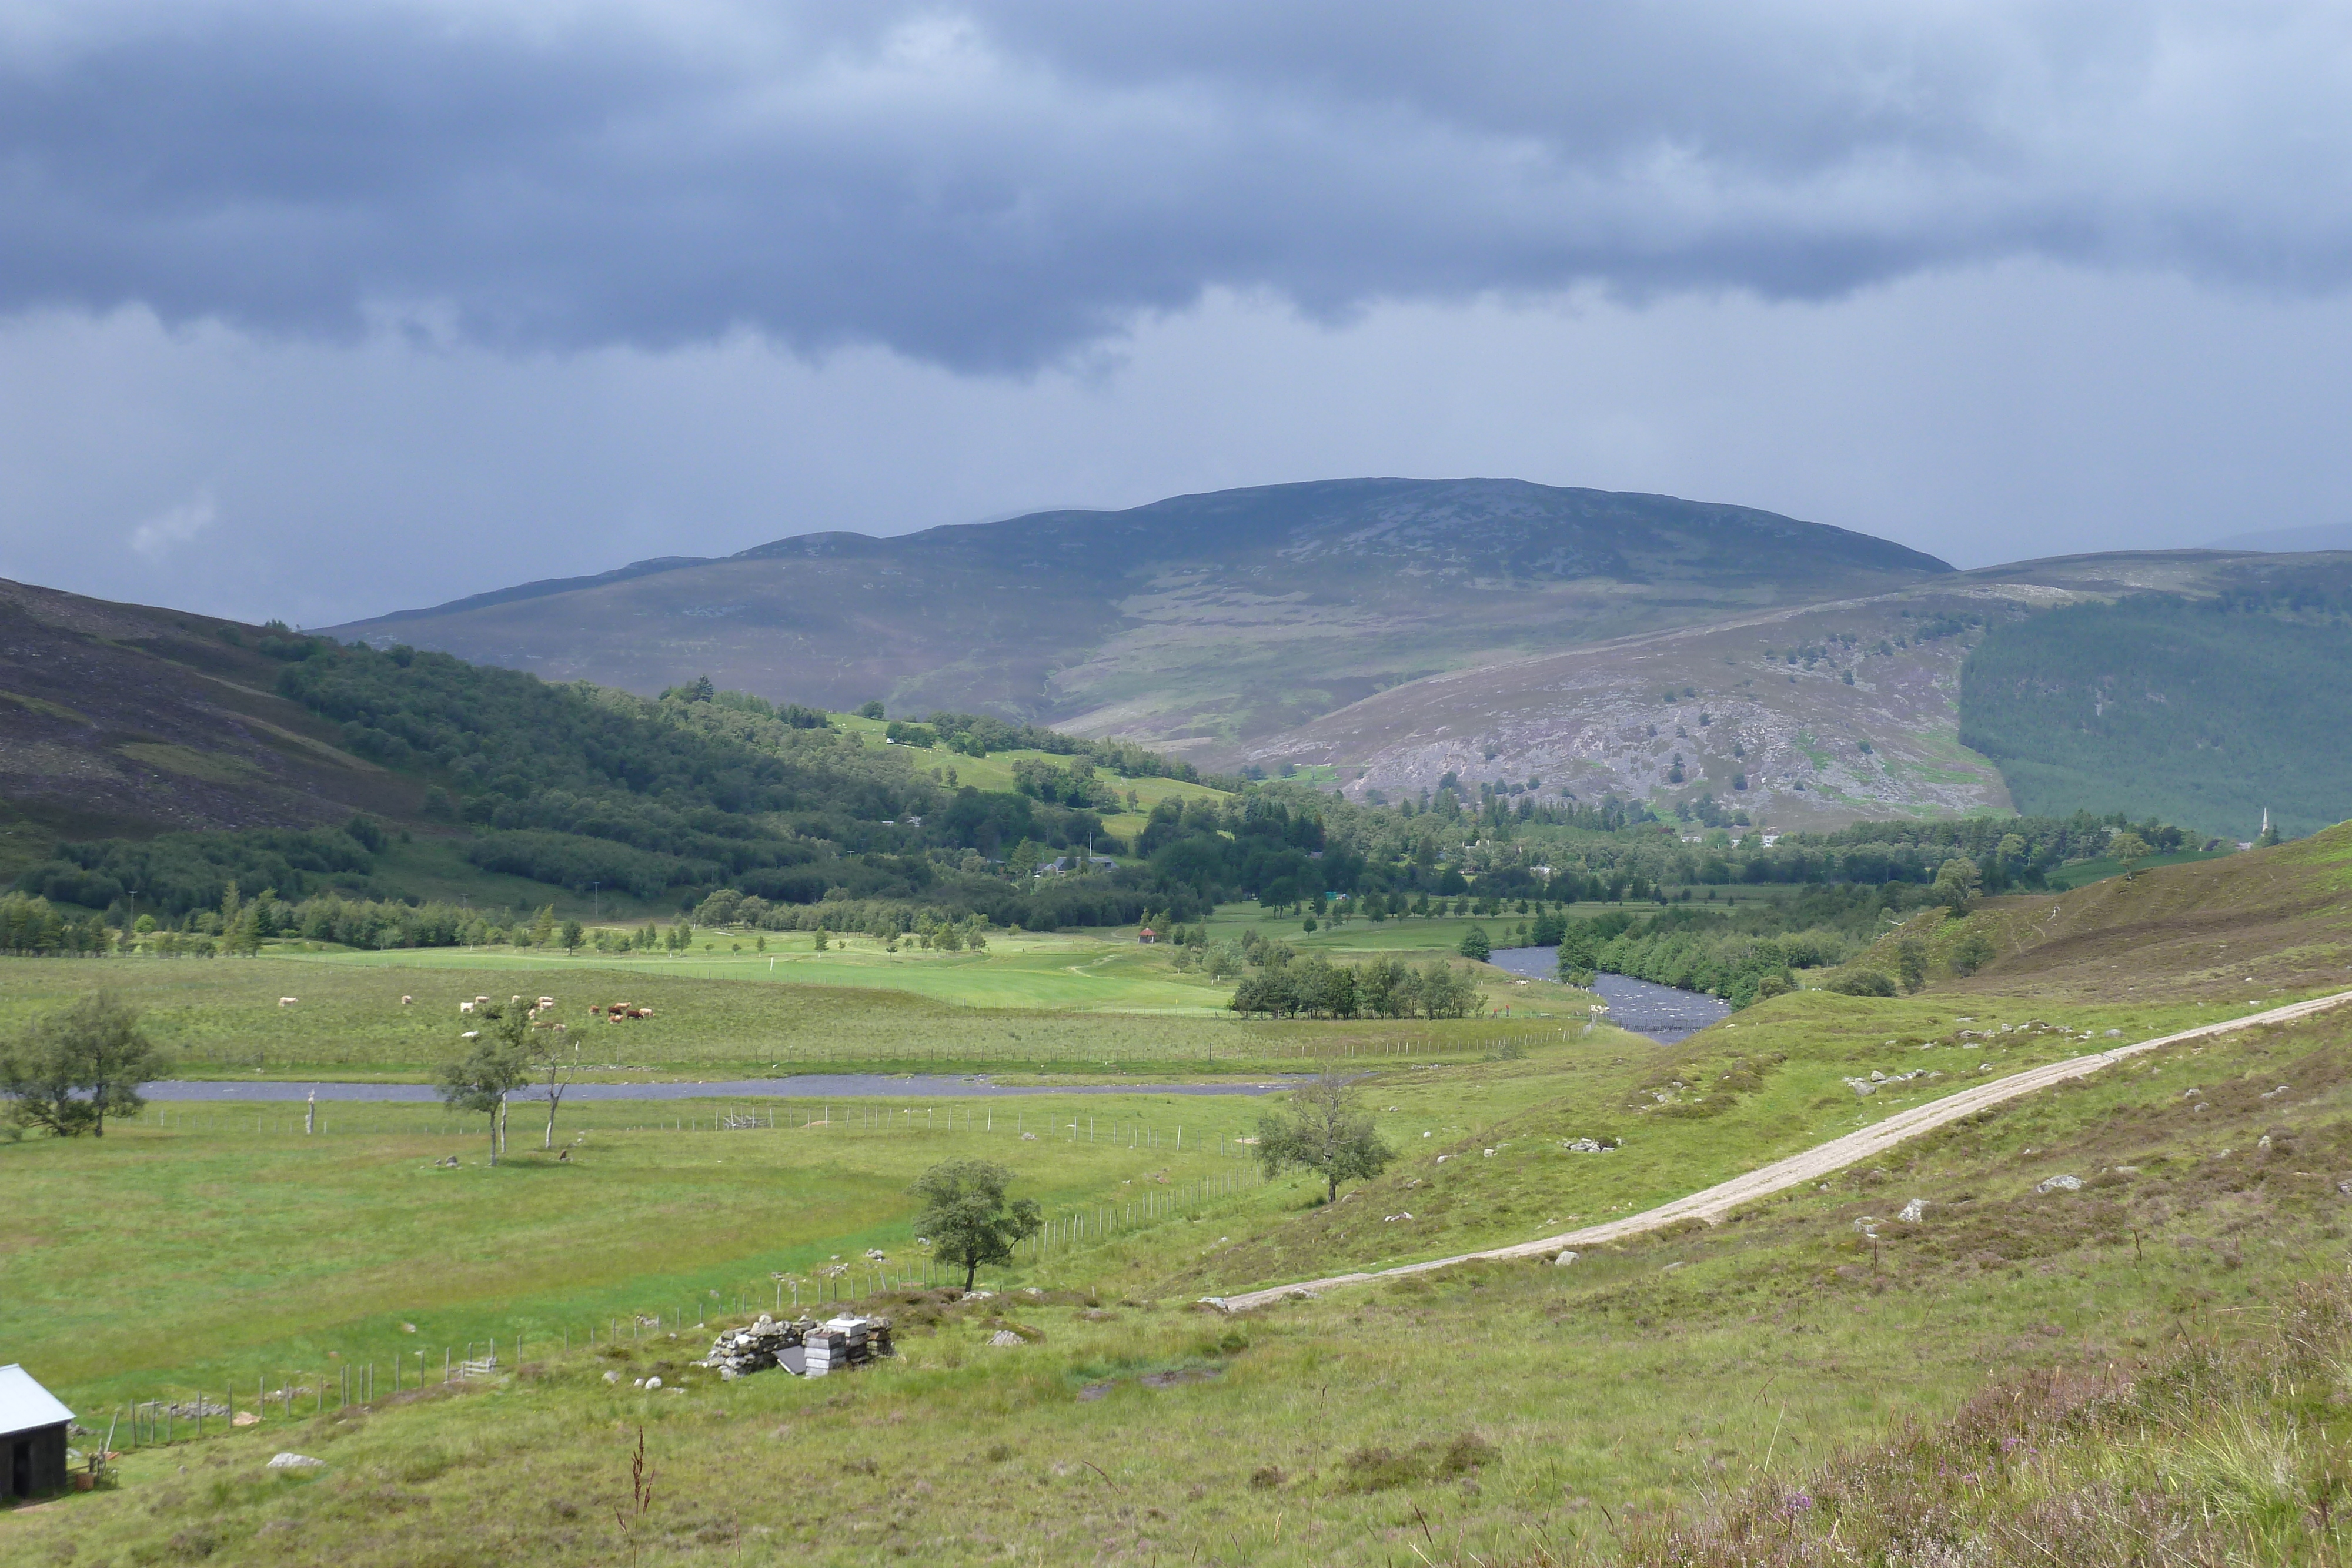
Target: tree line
{"x": 1314, "y": 987}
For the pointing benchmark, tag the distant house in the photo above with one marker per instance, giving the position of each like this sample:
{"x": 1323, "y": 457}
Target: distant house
{"x": 32, "y": 1436}
{"x": 1070, "y": 862}
{"x": 1146, "y": 936}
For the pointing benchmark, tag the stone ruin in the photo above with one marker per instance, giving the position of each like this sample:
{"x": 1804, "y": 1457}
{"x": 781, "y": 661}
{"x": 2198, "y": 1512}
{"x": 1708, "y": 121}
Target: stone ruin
{"x": 805, "y": 1348}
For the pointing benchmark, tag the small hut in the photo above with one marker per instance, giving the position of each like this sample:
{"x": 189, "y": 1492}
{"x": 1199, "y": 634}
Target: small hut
{"x": 1147, "y": 935}
{"x": 32, "y": 1436}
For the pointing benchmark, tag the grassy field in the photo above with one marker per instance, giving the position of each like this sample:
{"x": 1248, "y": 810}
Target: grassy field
{"x": 2081, "y": 873}
{"x": 1497, "y": 1414}
{"x": 1034, "y": 1002}
{"x": 994, "y": 772}
{"x": 1516, "y": 1413}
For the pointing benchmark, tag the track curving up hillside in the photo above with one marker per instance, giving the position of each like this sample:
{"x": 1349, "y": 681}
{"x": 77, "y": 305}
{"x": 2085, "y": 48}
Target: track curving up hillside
{"x": 1712, "y": 1203}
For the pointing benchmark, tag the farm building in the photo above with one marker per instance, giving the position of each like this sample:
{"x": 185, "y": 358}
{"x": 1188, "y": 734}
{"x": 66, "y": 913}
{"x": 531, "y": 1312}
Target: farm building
{"x": 32, "y": 1436}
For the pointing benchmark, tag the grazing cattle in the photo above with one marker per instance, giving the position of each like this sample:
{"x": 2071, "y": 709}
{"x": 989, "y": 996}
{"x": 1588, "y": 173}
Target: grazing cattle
{"x": 471, "y": 1034}
{"x": 405, "y": 1000}
{"x": 641, "y": 1012}
{"x": 480, "y": 1001}
{"x": 547, "y": 1001}
{"x": 286, "y": 1001}
{"x": 464, "y": 1007}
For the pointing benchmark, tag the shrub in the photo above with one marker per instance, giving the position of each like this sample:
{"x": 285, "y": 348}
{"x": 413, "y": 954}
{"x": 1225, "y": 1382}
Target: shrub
{"x": 1859, "y": 983}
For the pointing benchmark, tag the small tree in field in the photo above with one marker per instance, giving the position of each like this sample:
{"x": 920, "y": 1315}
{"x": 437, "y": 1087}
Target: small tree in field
{"x": 73, "y": 1068}
{"x": 2128, "y": 850}
{"x": 496, "y": 1062}
{"x": 1911, "y": 962}
{"x": 1956, "y": 881}
{"x": 554, "y": 1065}
{"x": 1326, "y": 1129}
{"x": 968, "y": 1218}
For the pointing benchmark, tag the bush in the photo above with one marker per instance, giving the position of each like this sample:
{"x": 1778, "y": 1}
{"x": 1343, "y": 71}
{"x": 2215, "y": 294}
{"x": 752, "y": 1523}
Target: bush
{"x": 1859, "y": 983}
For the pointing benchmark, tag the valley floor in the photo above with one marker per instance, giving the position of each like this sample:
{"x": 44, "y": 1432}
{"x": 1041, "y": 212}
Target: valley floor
{"x": 2174, "y": 1222}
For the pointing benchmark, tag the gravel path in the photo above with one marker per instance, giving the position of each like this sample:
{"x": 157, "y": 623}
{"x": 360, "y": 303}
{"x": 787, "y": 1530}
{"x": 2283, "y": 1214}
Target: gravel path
{"x": 1815, "y": 1163}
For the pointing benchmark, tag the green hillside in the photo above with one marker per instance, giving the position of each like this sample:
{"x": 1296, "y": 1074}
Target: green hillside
{"x": 2205, "y": 712}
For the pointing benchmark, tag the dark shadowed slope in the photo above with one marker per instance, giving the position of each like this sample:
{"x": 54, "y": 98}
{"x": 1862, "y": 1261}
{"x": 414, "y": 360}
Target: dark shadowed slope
{"x": 119, "y": 719}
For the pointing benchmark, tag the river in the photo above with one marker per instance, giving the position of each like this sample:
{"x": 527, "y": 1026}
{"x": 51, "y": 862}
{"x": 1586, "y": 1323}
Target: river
{"x": 1662, "y": 1012}
{"x": 803, "y": 1086}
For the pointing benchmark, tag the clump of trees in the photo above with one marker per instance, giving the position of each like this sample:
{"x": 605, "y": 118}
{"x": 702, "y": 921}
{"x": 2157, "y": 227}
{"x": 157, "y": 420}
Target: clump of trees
{"x": 1324, "y": 1129}
{"x": 1314, "y": 987}
{"x": 968, "y": 1218}
{"x": 70, "y": 1070}
{"x": 35, "y": 925}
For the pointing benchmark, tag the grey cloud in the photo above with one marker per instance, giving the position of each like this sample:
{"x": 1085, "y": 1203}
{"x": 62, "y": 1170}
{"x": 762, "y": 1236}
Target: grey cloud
{"x": 996, "y": 185}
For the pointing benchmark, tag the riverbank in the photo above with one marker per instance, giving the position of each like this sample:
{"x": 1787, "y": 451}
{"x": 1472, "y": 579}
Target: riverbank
{"x": 1661, "y": 1012}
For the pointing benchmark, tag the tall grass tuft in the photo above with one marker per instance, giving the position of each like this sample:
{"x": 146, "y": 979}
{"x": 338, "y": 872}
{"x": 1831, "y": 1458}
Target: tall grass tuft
{"x": 2218, "y": 1452}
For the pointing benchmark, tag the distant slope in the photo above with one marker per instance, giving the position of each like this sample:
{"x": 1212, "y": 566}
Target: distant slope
{"x": 2205, "y": 712}
{"x": 1801, "y": 717}
{"x": 120, "y": 718}
{"x": 1760, "y": 712}
{"x": 1200, "y": 623}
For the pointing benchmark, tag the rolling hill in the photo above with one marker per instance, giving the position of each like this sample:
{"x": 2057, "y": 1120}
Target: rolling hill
{"x": 120, "y": 718}
{"x": 1201, "y": 624}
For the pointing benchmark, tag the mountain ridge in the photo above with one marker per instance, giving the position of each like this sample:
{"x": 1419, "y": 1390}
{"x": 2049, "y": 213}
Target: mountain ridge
{"x": 1202, "y": 619}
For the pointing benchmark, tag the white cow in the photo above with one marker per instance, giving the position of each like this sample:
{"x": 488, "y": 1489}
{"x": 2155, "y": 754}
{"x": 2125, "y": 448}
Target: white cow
{"x": 286, "y": 1001}
{"x": 464, "y": 1007}
{"x": 405, "y": 1000}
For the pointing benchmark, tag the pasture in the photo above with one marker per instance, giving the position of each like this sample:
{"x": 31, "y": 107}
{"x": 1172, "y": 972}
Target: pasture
{"x": 1032, "y": 1002}
{"x": 994, "y": 772}
{"x": 1516, "y": 1414}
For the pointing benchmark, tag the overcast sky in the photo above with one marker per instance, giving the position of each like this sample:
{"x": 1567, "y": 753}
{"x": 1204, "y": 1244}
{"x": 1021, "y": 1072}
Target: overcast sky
{"x": 322, "y": 310}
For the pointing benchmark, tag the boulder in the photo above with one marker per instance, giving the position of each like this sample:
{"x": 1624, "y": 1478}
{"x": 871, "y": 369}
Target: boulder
{"x": 296, "y": 1463}
{"x": 2060, "y": 1183}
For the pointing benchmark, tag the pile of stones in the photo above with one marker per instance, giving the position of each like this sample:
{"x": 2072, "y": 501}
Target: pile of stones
{"x": 804, "y": 1348}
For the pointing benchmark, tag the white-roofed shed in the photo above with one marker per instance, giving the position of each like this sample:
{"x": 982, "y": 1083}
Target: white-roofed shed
{"x": 33, "y": 1424}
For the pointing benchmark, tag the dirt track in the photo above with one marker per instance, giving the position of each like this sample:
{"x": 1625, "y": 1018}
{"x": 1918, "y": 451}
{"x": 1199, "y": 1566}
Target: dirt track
{"x": 1815, "y": 1163}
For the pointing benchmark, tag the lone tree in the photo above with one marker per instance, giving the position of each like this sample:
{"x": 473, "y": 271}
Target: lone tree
{"x": 554, "y": 1067}
{"x": 496, "y": 1062}
{"x": 1911, "y": 962}
{"x": 2130, "y": 849}
{"x": 1326, "y": 1129}
{"x": 1956, "y": 881}
{"x": 968, "y": 1218}
{"x": 70, "y": 1070}
{"x": 1475, "y": 945}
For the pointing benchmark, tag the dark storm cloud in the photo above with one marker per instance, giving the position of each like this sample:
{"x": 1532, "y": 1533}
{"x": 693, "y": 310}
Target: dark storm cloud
{"x": 990, "y": 185}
